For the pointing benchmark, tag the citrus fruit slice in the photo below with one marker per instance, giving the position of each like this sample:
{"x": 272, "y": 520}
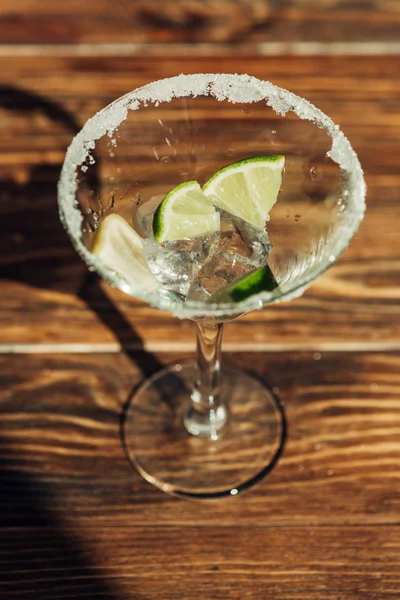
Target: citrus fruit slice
{"x": 185, "y": 213}
{"x": 119, "y": 247}
{"x": 247, "y": 189}
{"x": 260, "y": 280}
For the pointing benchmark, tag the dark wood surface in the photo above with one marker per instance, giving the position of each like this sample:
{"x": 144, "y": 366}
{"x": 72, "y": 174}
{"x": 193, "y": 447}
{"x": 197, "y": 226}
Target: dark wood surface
{"x": 77, "y": 521}
{"x": 193, "y": 21}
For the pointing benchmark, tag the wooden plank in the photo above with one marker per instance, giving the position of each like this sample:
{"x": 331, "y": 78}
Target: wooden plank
{"x": 46, "y": 295}
{"x": 131, "y": 563}
{"x": 188, "y": 21}
{"x": 62, "y": 458}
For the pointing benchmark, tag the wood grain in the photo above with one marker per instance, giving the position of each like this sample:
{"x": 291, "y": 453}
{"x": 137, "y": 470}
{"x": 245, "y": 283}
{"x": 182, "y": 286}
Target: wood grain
{"x": 138, "y": 563}
{"x": 47, "y": 297}
{"x": 94, "y": 21}
{"x": 60, "y": 438}
{"x": 78, "y": 522}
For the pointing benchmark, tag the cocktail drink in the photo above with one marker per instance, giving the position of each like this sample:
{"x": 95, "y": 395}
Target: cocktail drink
{"x": 209, "y": 196}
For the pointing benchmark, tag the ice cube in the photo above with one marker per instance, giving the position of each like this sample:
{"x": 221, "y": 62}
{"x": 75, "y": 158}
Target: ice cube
{"x": 231, "y": 240}
{"x": 221, "y": 270}
{"x": 145, "y": 213}
{"x": 240, "y": 240}
{"x": 257, "y": 242}
{"x": 242, "y": 249}
{"x": 173, "y": 269}
{"x": 176, "y": 263}
{"x": 197, "y": 293}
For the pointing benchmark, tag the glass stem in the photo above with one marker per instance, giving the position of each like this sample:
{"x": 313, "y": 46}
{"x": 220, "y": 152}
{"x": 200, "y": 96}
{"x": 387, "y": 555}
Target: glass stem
{"x": 207, "y": 414}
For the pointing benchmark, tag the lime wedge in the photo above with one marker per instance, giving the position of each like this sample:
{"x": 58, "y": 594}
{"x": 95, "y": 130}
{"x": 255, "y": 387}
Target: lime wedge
{"x": 247, "y": 189}
{"x": 185, "y": 213}
{"x": 261, "y": 280}
{"x": 119, "y": 247}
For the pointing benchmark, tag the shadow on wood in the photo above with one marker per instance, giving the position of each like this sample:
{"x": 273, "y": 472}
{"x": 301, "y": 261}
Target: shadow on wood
{"x": 36, "y": 250}
{"x": 98, "y": 301}
{"x": 34, "y": 247}
{"x": 46, "y": 565}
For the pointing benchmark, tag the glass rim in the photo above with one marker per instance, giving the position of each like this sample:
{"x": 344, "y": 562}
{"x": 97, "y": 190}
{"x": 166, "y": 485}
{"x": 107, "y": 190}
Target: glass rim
{"x": 238, "y": 89}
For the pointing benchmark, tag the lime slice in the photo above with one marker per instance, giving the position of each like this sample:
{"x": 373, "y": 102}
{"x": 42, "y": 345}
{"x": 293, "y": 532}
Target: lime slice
{"x": 185, "y": 213}
{"x": 248, "y": 189}
{"x": 119, "y": 247}
{"x": 261, "y": 280}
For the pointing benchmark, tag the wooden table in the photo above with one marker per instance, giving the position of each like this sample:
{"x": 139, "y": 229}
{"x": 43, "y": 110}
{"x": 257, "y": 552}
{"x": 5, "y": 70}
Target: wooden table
{"x": 77, "y": 521}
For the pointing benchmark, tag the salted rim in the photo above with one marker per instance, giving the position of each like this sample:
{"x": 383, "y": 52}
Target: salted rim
{"x": 223, "y": 87}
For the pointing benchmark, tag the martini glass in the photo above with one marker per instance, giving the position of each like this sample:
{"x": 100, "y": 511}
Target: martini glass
{"x": 199, "y": 429}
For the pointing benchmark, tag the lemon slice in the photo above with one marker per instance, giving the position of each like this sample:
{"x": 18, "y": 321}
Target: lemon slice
{"x": 119, "y": 247}
{"x": 185, "y": 213}
{"x": 248, "y": 189}
{"x": 260, "y": 280}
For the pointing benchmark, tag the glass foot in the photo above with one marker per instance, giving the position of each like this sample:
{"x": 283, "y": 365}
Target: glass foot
{"x": 246, "y": 448}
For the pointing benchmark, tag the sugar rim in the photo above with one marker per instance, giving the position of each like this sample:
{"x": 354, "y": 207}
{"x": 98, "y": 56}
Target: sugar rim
{"x": 224, "y": 87}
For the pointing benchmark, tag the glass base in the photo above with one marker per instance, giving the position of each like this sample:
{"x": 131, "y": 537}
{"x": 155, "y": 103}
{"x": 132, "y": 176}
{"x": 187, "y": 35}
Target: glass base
{"x": 245, "y": 450}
